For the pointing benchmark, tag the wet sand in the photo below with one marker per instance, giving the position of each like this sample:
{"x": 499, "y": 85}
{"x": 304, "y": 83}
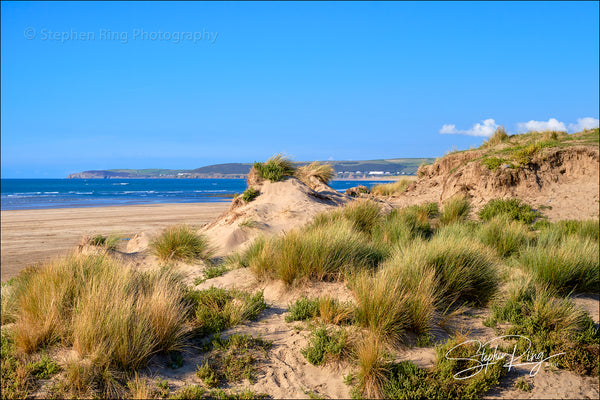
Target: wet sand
{"x": 31, "y": 236}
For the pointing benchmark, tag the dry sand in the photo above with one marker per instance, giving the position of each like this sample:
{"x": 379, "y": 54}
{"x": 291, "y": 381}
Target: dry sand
{"x": 30, "y": 236}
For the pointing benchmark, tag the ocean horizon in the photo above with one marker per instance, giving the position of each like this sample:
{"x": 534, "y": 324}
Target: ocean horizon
{"x": 30, "y": 194}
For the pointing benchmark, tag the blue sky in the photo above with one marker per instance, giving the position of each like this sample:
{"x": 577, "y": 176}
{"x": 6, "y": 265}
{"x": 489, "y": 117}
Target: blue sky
{"x": 182, "y": 85}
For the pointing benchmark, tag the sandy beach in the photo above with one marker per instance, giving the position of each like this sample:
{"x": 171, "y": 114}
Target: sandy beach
{"x": 30, "y": 236}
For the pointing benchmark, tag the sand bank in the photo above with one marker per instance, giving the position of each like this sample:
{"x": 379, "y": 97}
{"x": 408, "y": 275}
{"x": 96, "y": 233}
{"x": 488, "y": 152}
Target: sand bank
{"x": 30, "y": 236}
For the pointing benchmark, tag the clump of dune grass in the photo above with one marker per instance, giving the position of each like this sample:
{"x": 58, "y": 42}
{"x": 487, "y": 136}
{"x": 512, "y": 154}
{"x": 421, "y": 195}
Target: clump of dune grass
{"x": 333, "y": 311}
{"x": 218, "y": 309}
{"x": 275, "y": 169}
{"x": 373, "y": 367}
{"x": 498, "y": 137}
{"x": 364, "y": 215}
{"x": 554, "y": 233}
{"x": 403, "y": 225}
{"x": 322, "y": 172}
{"x": 553, "y": 324}
{"x": 109, "y": 242}
{"x": 454, "y": 210}
{"x": 66, "y": 301}
{"x": 512, "y": 208}
{"x": 394, "y": 300}
{"x": 250, "y": 194}
{"x": 180, "y": 242}
{"x": 390, "y": 189}
{"x": 505, "y": 235}
{"x": 324, "y": 252}
{"x": 465, "y": 270}
{"x": 571, "y": 265}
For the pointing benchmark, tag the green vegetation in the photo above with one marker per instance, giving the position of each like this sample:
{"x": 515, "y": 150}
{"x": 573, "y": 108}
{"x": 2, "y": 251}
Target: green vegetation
{"x": 407, "y": 381}
{"x": 322, "y": 172}
{"x": 275, "y": 169}
{"x": 180, "y": 242}
{"x": 391, "y": 189}
{"x": 327, "y": 309}
{"x": 303, "y": 309}
{"x": 326, "y": 344}
{"x": 250, "y": 194}
{"x": 232, "y": 360}
{"x": 218, "y": 309}
{"x": 454, "y": 210}
{"x": 494, "y": 163}
{"x": 323, "y": 252}
{"x": 505, "y": 235}
{"x": 402, "y": 226}
{"x": 522, "y": 384}
{"x": 211, "y": 271}
{"x": 569, "y": 265}
{"x": 514, "y": 209}
{"x": 553, "y": 324}
{"x": 109, "y": 242}
{"x": 498, "y": 137}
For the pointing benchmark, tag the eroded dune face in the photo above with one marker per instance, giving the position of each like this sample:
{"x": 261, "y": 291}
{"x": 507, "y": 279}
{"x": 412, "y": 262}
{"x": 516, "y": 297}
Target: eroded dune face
{"x": 564, "y": 179}
{"x": 281, "y": 206}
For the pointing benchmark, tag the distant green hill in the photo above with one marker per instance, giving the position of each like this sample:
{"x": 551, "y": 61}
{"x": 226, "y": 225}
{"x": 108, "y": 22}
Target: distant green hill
{"x": 343, "y": 169}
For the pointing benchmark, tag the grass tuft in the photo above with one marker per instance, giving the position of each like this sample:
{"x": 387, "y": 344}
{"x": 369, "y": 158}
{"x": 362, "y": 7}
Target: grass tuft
{"x": 505, "y": 235}
{"x": 322, "y": 172}
{"x": 250, "y": 194}
{"x": 275, "y": 169}
{"x": 454, "y": 210}
{"x": 391, "y": 189}
{"x": 180, "y": 242}
{"x": 322, "y": 253}
{"x": 571, "y": 264}
{"x": 218, "y": 309}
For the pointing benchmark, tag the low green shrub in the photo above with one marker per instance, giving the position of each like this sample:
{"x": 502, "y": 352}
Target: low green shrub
{"x": 553, "y": 324}
{"x": 512, "y": 208}
{"x": 232, "y": 359}
{"x": 303, "y": 309}
{"x": 326, "y": 344}
{"x": 493, "y": 163}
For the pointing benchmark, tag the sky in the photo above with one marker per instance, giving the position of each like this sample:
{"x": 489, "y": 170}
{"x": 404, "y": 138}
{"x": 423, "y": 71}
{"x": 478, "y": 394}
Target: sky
{"x": 182, "y": 84}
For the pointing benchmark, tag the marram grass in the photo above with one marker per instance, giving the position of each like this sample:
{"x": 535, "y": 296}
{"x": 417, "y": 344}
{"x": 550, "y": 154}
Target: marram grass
{"x": 180, "y": 242}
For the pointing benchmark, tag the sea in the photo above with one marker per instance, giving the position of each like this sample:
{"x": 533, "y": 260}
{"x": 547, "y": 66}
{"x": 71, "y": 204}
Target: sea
{"x": 29, "y": 194}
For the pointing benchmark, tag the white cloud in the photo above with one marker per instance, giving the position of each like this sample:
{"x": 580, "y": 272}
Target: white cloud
{"x": 534, "y": 126}
{"x": 486, "y": 129}
{"x": 584, "y": 123}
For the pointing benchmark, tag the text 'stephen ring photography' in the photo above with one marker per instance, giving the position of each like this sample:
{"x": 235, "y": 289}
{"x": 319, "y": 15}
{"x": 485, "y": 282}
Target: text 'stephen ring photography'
{"x": 300, "y": 200}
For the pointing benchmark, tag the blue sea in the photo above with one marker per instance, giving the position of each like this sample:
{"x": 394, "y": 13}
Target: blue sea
{"x": 24, "y": 194}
